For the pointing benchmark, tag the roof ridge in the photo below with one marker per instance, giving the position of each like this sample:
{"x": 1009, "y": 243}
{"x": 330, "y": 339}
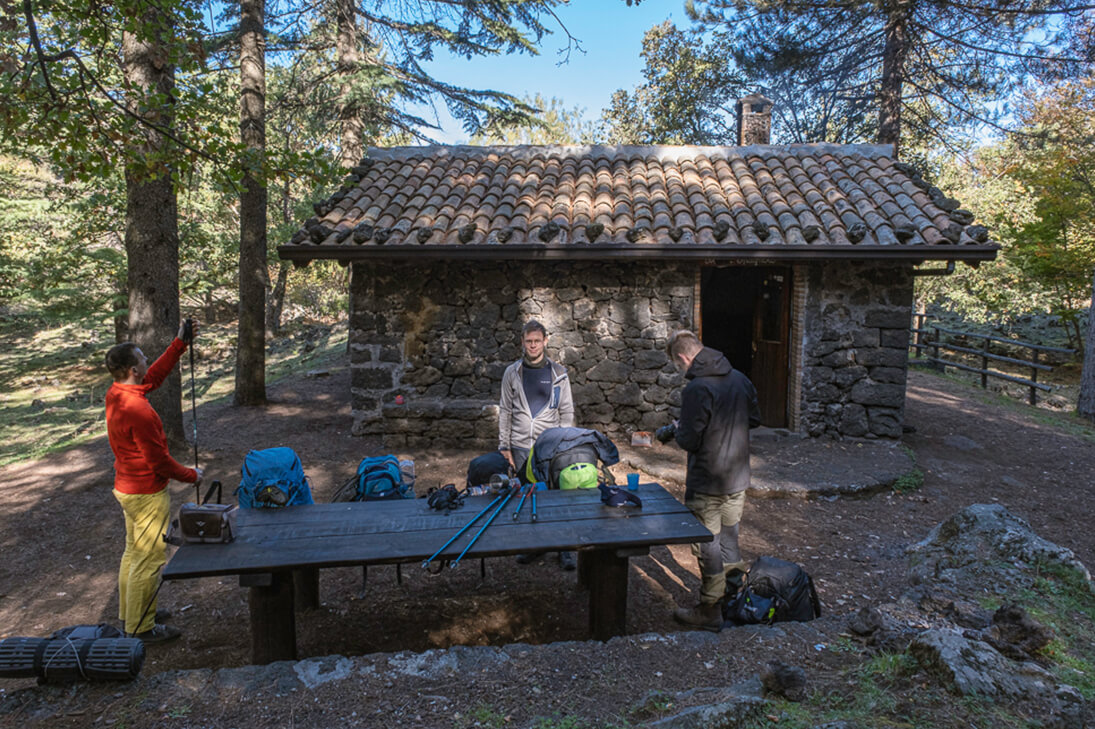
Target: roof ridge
{"x": 664, "y": 153}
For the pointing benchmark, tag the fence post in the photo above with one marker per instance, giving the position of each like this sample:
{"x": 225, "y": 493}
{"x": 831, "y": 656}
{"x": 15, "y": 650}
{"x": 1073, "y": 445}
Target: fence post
{"x": 985, "y": 365}
{"x": 920, "y": 316}
{"x": 1034, "y": 378}
{"x": 935, "y": 350}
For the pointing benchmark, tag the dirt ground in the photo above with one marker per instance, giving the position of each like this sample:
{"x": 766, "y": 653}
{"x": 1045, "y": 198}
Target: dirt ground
{"x": 61, "y": 533}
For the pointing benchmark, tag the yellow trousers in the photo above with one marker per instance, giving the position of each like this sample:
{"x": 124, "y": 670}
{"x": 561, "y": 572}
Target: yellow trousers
{"x": 146, "y": 518}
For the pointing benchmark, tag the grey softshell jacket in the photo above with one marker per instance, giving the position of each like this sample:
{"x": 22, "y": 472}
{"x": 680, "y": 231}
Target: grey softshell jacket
{"x": 517, "y": 428}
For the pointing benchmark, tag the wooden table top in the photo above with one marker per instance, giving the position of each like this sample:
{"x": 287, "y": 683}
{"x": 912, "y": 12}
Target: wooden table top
{"x": 407, "y": 530}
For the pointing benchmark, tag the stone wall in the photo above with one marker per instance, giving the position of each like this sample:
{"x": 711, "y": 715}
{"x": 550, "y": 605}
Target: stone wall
{"x": 429, "y": 343}
{"x": 855, "y": 349}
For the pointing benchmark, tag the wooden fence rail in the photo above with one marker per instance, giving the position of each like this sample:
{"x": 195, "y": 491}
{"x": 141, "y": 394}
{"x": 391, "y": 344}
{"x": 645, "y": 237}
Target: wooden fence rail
{"x": 930, "y": 339}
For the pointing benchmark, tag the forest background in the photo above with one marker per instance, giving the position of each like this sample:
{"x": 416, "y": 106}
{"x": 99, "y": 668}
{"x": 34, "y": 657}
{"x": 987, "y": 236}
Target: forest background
{"x": 153, "y": 153}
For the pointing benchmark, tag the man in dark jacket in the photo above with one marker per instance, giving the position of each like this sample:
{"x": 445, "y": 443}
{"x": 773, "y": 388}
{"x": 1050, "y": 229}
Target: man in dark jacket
{"x": 718, "y": 407}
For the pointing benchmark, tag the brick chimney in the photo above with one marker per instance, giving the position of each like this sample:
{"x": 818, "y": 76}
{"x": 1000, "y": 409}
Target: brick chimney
{"x": 754, "y": 120}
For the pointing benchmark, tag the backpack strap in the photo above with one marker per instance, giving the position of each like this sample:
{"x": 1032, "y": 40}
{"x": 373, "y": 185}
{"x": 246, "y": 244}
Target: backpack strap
{"x": 813, "y": 597}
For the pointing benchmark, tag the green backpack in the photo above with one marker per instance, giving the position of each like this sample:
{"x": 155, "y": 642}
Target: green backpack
{"x": 578, "y": 476}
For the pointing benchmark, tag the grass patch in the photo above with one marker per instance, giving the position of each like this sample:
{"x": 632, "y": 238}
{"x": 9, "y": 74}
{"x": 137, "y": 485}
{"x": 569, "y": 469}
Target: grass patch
{"x": 1061, "y": 599}
{"x": 53, "y": 381}
{"x": 911, "y": 480}
{"x": 487, "y": 717}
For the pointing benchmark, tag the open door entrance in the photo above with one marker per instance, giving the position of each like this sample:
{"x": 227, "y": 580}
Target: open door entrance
{"x": 745, "y": 314}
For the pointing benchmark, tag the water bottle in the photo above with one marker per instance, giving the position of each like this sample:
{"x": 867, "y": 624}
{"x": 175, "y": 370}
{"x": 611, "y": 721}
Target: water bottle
{"x": 406, "y": 472}
{"x": 479, "y": 490}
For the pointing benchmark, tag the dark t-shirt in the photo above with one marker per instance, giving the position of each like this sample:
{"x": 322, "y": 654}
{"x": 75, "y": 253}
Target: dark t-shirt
{"x": 537, "y": 384}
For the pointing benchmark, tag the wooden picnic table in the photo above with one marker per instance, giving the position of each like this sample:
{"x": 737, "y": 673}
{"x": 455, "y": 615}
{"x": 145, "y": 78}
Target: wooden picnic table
{"x": 273, "y": 544}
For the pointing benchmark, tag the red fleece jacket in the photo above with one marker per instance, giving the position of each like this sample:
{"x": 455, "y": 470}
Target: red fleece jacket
{"x": 142, "y": 463}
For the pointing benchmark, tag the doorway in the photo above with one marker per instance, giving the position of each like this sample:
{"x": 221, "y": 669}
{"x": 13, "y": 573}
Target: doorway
{"x": 745, "y": 314}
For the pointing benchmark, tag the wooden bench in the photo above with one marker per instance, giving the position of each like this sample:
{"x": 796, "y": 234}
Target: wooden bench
{"x": 273, "y": 544}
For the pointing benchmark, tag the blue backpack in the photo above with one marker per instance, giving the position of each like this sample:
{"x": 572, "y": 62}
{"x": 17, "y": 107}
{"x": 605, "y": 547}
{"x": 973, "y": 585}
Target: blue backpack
{"x": 272, "y": 478}
{"x": 379, "y": 477}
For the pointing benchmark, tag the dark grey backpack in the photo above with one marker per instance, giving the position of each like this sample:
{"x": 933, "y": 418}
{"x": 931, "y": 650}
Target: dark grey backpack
{"x": 773, "y": 591}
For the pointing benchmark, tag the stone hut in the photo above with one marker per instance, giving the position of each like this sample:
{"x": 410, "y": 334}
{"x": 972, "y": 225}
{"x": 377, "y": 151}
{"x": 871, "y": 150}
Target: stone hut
{"x": 796, "y": 261}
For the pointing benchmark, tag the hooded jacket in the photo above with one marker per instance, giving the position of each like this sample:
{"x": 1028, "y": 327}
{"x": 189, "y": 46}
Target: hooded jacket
{"x": 718, "y": 407}
{"x": 517, "y": 427}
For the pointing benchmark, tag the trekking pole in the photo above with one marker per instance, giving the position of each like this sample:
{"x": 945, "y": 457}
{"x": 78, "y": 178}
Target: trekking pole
{"x": 431, "y": 558}
{"x": 534, "y": 502}
{"x": 188, "y": 337}
{"x": 482, "y": 529}
{"x": 524, "y": 495}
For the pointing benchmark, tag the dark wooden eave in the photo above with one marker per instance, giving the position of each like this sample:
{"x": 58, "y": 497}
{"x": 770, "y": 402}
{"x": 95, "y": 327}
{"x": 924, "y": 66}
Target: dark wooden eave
{"x": 345, "y": 254}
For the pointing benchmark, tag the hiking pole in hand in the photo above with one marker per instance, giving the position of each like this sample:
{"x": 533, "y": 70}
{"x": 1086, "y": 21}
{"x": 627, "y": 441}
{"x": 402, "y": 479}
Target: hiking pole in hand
{"x": 431, "y": 558}
{"x": 188, "y": 337}
{"x": 508, "y": 495}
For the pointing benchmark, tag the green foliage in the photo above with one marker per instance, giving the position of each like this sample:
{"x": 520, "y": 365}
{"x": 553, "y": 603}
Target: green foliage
{"x": 551, "y": 123}
{"x": 830, "y": 65}
{"x": 1036, "y": 191}
{"x": 688, "y": 95}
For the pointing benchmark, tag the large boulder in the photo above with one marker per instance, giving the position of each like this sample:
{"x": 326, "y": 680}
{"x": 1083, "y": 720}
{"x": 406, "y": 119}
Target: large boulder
{"x": 983, "y": 546}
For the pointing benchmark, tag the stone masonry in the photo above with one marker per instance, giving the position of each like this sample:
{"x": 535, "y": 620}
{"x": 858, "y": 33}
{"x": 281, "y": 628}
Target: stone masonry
{"x": 437, "y": 336}
{"x": 856, "y": 338}
{"x": 441, "y": 335}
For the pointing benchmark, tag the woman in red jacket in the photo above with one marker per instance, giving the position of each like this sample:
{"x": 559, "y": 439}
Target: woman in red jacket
{"x": 142, "y": 467}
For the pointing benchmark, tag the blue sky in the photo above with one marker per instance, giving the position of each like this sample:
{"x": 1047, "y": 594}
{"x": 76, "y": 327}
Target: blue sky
{"x": 611, "y": 34}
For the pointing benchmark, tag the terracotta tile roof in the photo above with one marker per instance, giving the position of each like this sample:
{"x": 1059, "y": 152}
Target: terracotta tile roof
{"x": 816, "y": 201}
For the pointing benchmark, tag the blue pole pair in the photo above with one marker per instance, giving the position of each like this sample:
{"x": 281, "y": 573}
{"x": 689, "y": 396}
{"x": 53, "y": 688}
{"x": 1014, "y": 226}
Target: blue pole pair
{"x": 514, "y": 488}
{"x": 426, "y": 562}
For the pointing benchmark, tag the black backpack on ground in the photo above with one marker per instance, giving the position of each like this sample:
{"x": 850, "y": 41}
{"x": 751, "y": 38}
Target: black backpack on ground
{"x": 773, "y": 591}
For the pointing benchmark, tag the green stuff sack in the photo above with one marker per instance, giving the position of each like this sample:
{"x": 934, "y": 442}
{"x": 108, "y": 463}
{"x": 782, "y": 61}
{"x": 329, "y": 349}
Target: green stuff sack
{"x": 578, "y": 476}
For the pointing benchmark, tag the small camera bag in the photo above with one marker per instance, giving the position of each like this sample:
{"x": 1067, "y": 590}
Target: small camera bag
{"x": 204, "y": 523}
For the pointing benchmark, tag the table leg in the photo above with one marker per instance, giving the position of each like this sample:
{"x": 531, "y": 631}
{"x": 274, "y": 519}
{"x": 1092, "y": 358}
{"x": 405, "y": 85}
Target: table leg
{"x": 607, "y": 593}
{"x": 273, "y": 619}
{"x": 306, "y": 588}
{"x": 584, "y": 561}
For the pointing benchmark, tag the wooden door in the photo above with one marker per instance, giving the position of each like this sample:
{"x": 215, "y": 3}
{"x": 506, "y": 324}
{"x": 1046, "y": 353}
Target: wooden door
{"x": 771, "y": 312}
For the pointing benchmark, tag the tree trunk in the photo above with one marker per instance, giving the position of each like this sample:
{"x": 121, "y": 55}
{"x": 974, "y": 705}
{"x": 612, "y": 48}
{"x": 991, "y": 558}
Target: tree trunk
{"x": 121, "y": 304}
{"x": 276, "y": 301}
{"x": 1086, "y": 404}
{"x": 893, "y": 76}
{"x": 349, "y": 59}
{"x": 151, "y": 230}
{"x": 251, "y": 351}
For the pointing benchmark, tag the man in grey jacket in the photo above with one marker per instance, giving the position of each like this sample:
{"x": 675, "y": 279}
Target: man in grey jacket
{"x": 535, "y": 396}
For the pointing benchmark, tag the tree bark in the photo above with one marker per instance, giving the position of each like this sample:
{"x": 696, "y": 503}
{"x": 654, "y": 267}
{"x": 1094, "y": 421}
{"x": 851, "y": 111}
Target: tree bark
{"x": 151, "y": 229}
{"x": 251, "y": 351}
{"x": 276, "y": 301}
{"x": 349, "y": 59}
{"x": 1085, "y": 406}
{"x": 121, "y": 320}
{"x": 893, "y": 76}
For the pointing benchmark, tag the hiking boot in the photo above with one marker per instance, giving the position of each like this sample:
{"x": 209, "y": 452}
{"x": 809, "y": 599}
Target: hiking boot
{"x": 159, "y": 634}
{"x": 162, "y": 615}
{"x": 528, "y": 557}
{"x": 708, "y": 617}
{"x": 567, "y": 561}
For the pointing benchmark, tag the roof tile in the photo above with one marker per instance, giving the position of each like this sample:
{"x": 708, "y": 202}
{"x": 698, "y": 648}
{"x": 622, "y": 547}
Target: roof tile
{"x": 772, "y": 197}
